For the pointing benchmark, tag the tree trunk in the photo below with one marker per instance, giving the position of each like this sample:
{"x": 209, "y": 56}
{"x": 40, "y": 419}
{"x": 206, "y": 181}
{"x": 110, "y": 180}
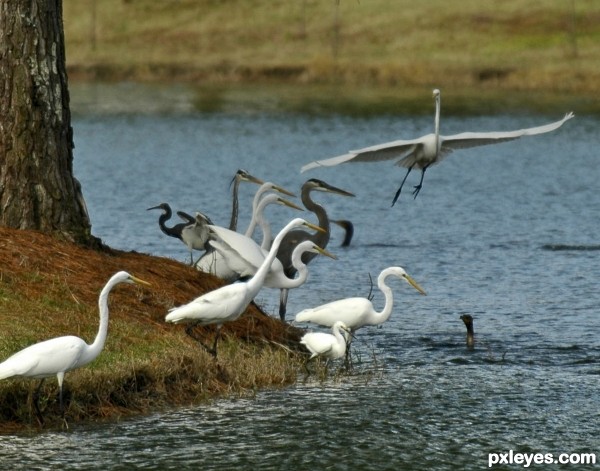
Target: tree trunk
{"x": 37, "y": 187}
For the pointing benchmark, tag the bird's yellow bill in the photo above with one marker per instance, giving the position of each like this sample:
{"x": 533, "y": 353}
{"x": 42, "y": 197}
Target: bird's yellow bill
{"x": 314, "y": 227}
{"x": 325, "y": 252}
{"x": 283, "y": 190}
{"x": 414, "y": 284}
{"x": 289, "y": 204}
{"x": 139, "y": 281}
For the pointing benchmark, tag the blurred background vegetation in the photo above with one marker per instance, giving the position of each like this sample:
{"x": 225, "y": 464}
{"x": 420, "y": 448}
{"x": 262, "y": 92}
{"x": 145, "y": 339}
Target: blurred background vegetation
{"x": 541, "y": 51}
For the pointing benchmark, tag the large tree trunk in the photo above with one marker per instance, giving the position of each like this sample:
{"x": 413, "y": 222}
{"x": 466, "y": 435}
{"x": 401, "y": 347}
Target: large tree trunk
{"x": 37, "y": 187}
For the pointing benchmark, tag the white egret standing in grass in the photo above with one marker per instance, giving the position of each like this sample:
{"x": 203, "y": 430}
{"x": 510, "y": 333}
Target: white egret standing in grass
{"x": 330, "y": 346}
{"x": 227, "y": 303}
{"x": 430, "y": 149}
{"x": 358, "y": 312}
{"x": 59, "y": 355}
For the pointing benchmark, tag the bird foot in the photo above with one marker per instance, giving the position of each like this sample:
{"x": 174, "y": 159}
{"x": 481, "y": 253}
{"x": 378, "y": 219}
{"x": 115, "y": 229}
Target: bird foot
{"x": 416, "y": 191}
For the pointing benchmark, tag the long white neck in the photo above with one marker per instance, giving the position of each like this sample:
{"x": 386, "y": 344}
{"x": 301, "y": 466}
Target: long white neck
{"x": 384, "y": 315}
{"x": 300, "y": 266}
{"x": 255, "y": 207}
{"x": 256, "y": 282}
{"x": 95, "y": 348}
{"x": 339, "y": 336}
{"x": 258, "y": 217}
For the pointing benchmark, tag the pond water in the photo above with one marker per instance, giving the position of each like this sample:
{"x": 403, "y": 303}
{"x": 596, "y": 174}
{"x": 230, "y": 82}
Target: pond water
{"x": 506, "y": 233}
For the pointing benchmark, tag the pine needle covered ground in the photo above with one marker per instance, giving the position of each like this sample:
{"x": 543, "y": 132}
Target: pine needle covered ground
{"x": 50, "y": 288}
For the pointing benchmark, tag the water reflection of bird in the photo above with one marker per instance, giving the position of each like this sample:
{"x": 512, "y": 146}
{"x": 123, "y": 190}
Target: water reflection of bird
{"x": 468, "y": 320}
{"x": 227, "y": 303}
{"x": 59, "y": 355}
{"x": 293, "y": 238}
{"x": 330, "y": 346}
{"x": 358, "y": 312}
{"x": 193, "y": 233}
{"x": 429, "y": 149}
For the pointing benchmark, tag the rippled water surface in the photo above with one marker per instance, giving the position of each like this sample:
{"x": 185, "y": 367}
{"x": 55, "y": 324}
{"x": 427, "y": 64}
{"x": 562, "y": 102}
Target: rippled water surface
{"x": 507, "y": 233}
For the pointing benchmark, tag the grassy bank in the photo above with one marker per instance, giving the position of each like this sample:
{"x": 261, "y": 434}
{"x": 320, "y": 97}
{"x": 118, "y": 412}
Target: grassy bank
{"x": 405, "y": 47}
{"x": 50, "y": 288}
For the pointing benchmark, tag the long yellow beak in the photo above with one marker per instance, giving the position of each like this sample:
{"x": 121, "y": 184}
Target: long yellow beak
{"x": 283, "y": 190}
{"x": 139, "y": 281}
{"x": 314, "y": 227}
{"x": 325, "y": 252}
{"x": 289, "y": 204}
{"x": 414, "y": 284}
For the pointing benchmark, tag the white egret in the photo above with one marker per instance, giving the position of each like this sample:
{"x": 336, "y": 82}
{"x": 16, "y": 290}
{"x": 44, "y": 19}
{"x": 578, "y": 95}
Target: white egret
{"x": 59, "y": 355}
{"x": 193, "y": 232}
{"x": 212, "y": 261}
{"x": 358, "y": 312}
{"x": 468, "y": 320}
{"x": 227, "y": 303}
{"x": 330, "y": 346}
{"x": 295, "y": 237}
{"x": 431, "y": 148}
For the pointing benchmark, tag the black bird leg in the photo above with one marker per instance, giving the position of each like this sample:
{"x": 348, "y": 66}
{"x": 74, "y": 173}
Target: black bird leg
{"x": 36, "y": 397}
{"x": 401, "y": 185}
{"x": 418, "y": 187}
{"x": 283, "y": 295}
{"x": 190, "y": 331}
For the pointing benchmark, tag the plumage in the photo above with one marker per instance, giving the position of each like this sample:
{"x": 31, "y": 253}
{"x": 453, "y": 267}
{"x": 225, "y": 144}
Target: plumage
{"x": 430, "y": 149}
{"x": 330, "y": 346}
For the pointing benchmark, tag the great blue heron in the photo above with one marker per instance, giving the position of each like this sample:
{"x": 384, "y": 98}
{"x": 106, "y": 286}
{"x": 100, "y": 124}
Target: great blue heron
{"x": 240, "y": 176}
{"x": 193, "y": 233}
{"x": 295, "y": 237}
{"x": 227, "y": 303}
{"x": 330, "y": 346}
{"x": 59, "y": 355}
{"x": 427, "y": 150}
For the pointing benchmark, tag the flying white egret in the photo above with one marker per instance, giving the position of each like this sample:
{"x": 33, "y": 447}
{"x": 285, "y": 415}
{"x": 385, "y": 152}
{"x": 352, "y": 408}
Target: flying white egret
{"x": 431, "y": 148}
{"x": 193, "y": 232}
{"x": 330, "y": 346}
{"x": 295, "y": 237}
{"x": 212, "y": 261}
{"x": 59, "y": 355}
{"x": 468, "y": 320}
{"x": 227, "y": 303}
{"x": 358, "y": 312}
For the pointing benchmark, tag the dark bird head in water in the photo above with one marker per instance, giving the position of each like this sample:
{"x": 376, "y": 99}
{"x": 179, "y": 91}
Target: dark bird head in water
{"x": 468, "y": 320}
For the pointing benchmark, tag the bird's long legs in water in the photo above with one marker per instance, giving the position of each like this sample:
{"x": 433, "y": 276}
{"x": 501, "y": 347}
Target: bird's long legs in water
{"x": 401, "y": 185}
{"x": 213, "y": 351}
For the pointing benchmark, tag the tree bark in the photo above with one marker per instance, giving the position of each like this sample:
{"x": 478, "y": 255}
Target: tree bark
{"x": 37, "y": 186}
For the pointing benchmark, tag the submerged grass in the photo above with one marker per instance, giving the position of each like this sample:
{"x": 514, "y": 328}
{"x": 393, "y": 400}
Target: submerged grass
{"x": 50, "y": 288}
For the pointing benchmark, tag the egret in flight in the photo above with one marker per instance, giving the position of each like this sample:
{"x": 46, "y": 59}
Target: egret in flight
{"x": 227, "y": 303}
{"x": 295, "y": 237}
{"x": 59, "y": 355}
{"x": 430, "y": 149}
{"x": 358, "y": 312}
{"x": 330, "y": 346}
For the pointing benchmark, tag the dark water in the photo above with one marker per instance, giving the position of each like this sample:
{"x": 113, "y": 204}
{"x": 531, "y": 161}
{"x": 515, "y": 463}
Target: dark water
{"x": 506, "y": 233}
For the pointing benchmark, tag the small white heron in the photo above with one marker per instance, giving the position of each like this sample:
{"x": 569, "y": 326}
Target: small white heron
{"x": 330, "y": 346}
